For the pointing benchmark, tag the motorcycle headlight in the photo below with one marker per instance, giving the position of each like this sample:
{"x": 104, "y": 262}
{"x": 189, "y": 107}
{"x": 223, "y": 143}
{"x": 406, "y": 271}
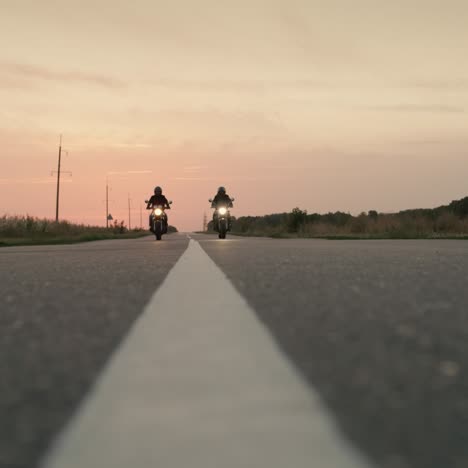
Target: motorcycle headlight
{"x": 222, "y": 211}
{"x": 158, "y": 212}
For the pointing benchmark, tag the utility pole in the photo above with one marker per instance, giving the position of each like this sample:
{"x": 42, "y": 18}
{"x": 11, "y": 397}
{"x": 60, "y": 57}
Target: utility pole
{"x": 58, "y": 181}
{"x": 59, "y": 172}
{"x": 205, "y": 222}
{"x": 129, "y": 214}
{"x": 108, "y": 215}
{"x": 141, "y": 216}
{"x": 107, "y": 203}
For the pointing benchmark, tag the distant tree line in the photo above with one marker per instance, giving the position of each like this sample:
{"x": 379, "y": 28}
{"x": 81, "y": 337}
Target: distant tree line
{"x": 447, "y": 220}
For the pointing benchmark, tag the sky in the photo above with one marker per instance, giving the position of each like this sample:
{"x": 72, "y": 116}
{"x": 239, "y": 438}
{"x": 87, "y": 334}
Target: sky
{"x": 322, "y": 104}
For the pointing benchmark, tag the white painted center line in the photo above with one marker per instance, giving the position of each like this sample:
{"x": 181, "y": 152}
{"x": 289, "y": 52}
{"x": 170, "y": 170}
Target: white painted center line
{"x": 199, "y": 383}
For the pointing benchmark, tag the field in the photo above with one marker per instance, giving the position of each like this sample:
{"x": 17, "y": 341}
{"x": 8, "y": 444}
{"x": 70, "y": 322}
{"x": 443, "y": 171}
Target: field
{"x": 27, "y": 230}
{"x": 449, "y": 221}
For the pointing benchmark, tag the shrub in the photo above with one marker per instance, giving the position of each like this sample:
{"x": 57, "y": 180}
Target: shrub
{"x": 296, "y": 219}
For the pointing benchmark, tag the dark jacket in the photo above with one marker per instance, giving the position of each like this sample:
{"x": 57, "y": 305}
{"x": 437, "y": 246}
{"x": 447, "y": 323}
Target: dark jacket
{"x": 221, "y": 200}
{"x": 158, "y": 200}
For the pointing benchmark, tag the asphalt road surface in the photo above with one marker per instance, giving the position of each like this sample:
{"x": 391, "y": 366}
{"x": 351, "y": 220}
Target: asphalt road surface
{"x": 379, "y": 329}
{"x": 63, "y": 311}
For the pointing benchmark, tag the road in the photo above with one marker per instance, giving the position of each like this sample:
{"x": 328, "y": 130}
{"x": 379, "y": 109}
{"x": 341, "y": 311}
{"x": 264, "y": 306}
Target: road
{"x": 374, "y": 332}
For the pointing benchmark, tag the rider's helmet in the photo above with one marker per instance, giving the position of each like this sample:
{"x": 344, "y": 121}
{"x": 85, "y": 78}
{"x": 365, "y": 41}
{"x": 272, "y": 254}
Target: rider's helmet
{"x": 221, "y": 190}
{"x": 158, "y": 190}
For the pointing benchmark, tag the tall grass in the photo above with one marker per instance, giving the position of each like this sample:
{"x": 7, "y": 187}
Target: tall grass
{"x": 390, "y": 226}
{"x": 444, "y": 221}
{"x": 28, "y": 229}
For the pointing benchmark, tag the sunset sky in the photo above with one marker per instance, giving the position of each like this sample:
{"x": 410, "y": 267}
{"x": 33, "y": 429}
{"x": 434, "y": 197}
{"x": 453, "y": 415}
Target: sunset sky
{"x": 326, "y": 105}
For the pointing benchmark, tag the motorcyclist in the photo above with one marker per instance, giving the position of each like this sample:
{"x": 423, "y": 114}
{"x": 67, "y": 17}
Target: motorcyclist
{"x": 221, "y": 199}
{"x": 158, "y": 199}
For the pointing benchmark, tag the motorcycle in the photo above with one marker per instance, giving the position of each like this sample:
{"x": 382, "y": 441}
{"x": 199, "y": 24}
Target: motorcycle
{"x": 222, "y": 220}
{"x": 158, "y": 220}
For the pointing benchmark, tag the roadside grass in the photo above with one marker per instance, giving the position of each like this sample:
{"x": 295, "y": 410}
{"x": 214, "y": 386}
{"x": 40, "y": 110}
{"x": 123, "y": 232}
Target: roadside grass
{"x": 438, "y": 223}
{"x": 27, "y": 230}
{"x": 286, "y": 235}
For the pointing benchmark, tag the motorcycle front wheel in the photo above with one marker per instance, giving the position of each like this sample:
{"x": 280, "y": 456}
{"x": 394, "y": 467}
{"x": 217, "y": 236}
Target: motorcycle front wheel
{"x": 222, "y": 229}
{"x": 158, "y": 231}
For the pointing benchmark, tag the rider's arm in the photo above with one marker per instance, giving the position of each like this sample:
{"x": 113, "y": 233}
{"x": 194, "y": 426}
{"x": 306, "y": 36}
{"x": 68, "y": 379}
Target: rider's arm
{"x": 150, "y": 204}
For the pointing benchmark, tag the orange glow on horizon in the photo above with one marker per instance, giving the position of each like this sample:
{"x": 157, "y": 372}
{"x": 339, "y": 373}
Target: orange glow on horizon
{"x": 311, "y": 105}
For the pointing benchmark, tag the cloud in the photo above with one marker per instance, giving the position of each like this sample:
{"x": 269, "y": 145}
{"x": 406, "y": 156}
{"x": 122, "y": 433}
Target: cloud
{"x": 130, "y": 145}
{"x": 211, "y": 120}
{"x": 14, "y": 83}
{"x": 33, "y": 72}
{"x": 435, "y": 141}
{"x": 457, "y": 84}
{"x": 252, "y": 86}
{"x": 145, "y": 171}
{"x": 193, "y": 178}
{"x": 140, "y": 172}
{"x": 34, "y": 181}
{"x": 434, "y": 108}
{"x": 193, "y": 169}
